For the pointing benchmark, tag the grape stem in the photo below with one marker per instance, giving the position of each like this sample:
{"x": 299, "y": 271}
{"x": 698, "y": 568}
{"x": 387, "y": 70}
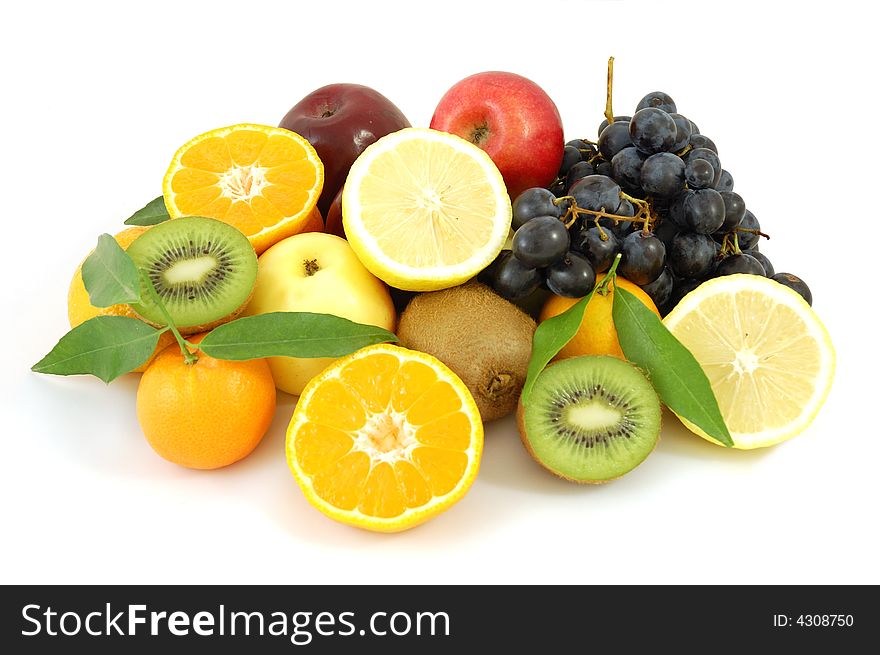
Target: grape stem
{"x": 610, "y": 277}
{"x": 574, "y": 212}
{"x": 188, "y": 356}
{"x": 751, "y": 231}
{"x": 730, "y": 242}
{"x": 609, "y": 114}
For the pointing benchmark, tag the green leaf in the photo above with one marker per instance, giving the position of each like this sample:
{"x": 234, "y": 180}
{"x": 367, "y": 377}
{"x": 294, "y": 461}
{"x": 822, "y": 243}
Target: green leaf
{"x": 103, "y": 346}
{"x": 551, "y": 337}
{"x": 109, "y": 274}
{"x": 290, "y": 334}
{"x": 153, "y": 213}
{"x": 676, "y": 375}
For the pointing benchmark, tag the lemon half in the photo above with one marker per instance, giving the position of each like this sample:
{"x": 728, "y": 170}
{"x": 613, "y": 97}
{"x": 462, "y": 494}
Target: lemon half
{"x": 767, "y": 355}
{"x": 425, "y": 210}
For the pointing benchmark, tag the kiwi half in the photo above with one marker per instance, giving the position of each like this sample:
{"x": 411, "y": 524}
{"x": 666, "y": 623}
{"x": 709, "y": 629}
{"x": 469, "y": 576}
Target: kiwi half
{"x": 590, "y": 419}
{"x": 203, "y": 270}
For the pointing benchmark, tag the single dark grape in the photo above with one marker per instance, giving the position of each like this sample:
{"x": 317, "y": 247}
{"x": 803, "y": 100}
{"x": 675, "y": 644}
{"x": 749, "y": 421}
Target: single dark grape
{"x": 541, "y": 242}
{"x": 699, "y": 141}
{"x": 680, "y": 289}
{"x": 666, "y": 230}
{"x": 711, "y": 157}
{"x": 572, "y": 277}
{"x": 740, "y": 263}
{"x": 766, "y": 264}
{"x": 718, "y": 257}
{"x": 535, "y": 202}
{"x": 577, "y": 172}
{"x": 596, "y": 193}
{"x": 795, "y": 283}
{"x": 660, "y": 289}
{"x": 643, "y": 257}
{"x": 652, "y": 130}
{"x": 603, "y": 168}
{"x": 625, "y": 208}
{"x": 704, "y": 211}
{"x": 725, "y": 182}
{"x": 683, "y": 131}
{"x": 511, "y": 278}
{"x": 620, "y": 228}
{"x": 598, "y": 250}
{"x": 558, "y": 188}
{"x": 676, "y": 208}
{"x": 694, "y": 128}
{"x": 659, "y": 100}
{"x": 613, "y": 139}
{"x": 699, "y": 174}
{"x": 747, "y": 240}
{"x": 663, "y": 174}
{"x": 585, "y": 149}
{"x": 734, "y": 210}
{"x": 570, "y": 157}
{"x": 692, "y": 255}
{"x": 626, "y": 167}
{"x": 617, "y": 119}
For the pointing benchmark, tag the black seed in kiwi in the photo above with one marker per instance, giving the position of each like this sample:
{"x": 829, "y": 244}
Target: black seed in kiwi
{"x": 590, "y": 419}
{"x": 203, "y": 270}
{"x": 485, "y": 339}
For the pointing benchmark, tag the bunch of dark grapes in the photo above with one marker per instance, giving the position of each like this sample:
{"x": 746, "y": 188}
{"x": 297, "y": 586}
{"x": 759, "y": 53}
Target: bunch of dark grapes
{"x": 651, "y": 188}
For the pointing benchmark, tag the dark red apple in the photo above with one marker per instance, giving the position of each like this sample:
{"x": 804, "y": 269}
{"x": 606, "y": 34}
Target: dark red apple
{"x": 512, "y": 119}
{"x": 333, "y": 222}
{"x": 340, "y": 121}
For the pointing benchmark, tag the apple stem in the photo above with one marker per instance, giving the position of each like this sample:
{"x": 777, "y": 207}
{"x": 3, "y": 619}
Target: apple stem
{"x": 609, "y": 114}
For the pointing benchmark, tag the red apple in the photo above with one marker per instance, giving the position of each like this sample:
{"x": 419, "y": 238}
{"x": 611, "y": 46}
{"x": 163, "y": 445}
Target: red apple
{"x": 333, "y": 222}
{"x": 340, "y": 121}
{"x": 512, "y": 119}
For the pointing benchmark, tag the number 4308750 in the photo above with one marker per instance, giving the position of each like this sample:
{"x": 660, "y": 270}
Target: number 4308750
{"x": 824, "y": 620}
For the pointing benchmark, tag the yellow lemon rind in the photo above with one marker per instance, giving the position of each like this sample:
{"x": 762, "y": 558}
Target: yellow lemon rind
{"x": 790, "y": 298}
{"x": 412, "y": 278}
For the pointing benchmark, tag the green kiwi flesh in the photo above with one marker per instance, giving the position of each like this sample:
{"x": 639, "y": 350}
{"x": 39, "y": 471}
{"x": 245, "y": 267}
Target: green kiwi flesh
{"x": 204, "y": 271}
{"x": 590, "y": 419}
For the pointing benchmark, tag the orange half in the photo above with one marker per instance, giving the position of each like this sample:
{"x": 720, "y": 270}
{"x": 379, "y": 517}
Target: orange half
{"x": 263, "y": 180}
{"x": 385, "y": 439}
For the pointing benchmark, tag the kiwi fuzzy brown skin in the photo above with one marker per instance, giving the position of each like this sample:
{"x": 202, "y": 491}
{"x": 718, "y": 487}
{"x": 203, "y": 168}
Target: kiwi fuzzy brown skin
{"x": 483, "y": 338}
{"x": 521, "y": 427}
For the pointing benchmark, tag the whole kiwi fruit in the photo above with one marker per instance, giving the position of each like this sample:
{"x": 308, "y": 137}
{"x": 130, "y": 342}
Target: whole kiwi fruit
{"x": 483, "y": 338}
{"x": 590, "y": 419}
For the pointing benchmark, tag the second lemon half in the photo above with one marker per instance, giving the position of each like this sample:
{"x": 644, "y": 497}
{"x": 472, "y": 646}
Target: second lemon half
{"x": 425, "y": 210}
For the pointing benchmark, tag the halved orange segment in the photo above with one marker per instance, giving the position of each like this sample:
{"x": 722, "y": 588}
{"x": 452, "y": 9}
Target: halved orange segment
{"x": 385, "y": 439}
{"x": 263, "y": 180}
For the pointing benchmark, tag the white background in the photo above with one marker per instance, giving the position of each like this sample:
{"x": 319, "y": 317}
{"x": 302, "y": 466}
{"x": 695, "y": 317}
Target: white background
{"x": 97, "y": 97}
